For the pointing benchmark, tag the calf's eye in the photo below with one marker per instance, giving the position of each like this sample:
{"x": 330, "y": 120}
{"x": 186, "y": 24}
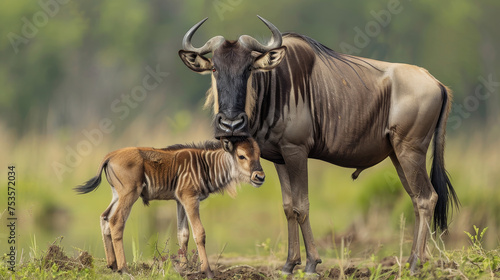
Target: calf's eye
{"x": 242, "y": 157}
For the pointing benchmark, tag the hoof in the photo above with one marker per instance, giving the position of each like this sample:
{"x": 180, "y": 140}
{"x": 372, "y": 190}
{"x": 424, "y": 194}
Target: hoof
{"x": 289, "y": 266}
{"x": 123, "y": 270}
{"x": 311, "y": 266}
{"x": 413, "y": 262}
{"x": 209, "y": 274}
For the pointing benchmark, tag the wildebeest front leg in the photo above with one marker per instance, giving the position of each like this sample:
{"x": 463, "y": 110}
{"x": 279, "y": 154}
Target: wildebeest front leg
{"x": 182, "y": 234}
{"x": 192, "y": 207}
{"x": 293, "y": 258}
{"x": 296, "y": 166}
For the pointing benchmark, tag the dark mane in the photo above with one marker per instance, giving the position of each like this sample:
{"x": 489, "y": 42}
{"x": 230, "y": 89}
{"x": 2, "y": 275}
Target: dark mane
{"x": 325, "y": 52}
{"x": 207, "y": 145}
{"x": 330, "y": 56}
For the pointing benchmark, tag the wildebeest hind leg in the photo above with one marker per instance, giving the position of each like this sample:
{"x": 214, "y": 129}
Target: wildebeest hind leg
{"x": 106, "y": 237}
{"x": 402, "y": 177}
{"x": 182, "y": 234}
{"x": 412, "y": 163}
{"x": 117, "y": 226}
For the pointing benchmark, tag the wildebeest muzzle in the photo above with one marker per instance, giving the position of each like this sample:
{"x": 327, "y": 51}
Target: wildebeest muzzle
{"x": 227, "y": 127}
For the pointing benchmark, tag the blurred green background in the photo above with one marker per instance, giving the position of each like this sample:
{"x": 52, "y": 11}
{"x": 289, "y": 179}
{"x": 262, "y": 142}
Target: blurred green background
{"x": 70, "y": 91}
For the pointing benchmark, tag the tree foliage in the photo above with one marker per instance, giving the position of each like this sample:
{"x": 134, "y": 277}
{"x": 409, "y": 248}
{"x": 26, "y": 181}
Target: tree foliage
{"x": 65, "y": 62}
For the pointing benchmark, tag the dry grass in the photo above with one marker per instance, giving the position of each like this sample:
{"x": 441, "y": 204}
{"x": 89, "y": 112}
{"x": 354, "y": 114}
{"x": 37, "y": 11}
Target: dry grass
{"x": 364, "y": 213}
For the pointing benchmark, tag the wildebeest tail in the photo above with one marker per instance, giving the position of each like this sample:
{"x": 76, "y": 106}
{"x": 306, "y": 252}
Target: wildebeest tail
{"x": 447, "y": 198}
{"x": 93, "y": 183}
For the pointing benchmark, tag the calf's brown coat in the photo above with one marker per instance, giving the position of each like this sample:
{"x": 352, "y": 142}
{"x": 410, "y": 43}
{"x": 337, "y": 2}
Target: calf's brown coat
{"x": 185, "y": 173}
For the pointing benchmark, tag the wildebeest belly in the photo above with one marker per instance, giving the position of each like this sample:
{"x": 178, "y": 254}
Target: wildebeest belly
{"x": 354, "y": 153}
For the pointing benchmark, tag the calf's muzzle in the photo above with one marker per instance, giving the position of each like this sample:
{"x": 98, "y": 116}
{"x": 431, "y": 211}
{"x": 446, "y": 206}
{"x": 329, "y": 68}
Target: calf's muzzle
{"x": 258, "y": 178}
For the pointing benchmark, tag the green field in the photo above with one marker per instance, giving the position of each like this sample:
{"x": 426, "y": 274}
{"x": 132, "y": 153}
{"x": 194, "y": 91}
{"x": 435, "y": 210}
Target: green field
{"x": 79, "y": 79}
{"x": 360, "y": 218}
{"x": 473, "y": 262}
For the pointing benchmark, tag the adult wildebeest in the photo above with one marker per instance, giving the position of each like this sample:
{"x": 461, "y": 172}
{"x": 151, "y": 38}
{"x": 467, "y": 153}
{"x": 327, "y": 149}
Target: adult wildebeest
{"x": 185, "y": 173}
{"x": 300, "y": 100}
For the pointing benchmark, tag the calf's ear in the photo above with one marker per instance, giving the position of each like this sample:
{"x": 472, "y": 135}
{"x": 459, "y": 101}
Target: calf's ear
{"x": 196, "y": 62}
{"x": 270, "y": 59}
{"x": 227, "y": 145}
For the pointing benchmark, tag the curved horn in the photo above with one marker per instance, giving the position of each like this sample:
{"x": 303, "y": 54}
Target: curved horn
{"x": 251, "y": 43}
{"x": 209, "y": 46}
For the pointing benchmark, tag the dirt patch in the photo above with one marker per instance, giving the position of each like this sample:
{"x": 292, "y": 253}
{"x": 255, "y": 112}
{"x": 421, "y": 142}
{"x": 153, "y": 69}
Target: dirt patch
{"x": 243, "y": 272}
{"x": 191, "y": 269}
{"x": 234, "y": 272}
{"x": 267, "y": 272}
{"x": 357, "y": 273}
{"x": 55, "y": 255}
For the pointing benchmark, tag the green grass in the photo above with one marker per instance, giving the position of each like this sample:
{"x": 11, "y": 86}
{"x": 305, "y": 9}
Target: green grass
{"x": 471, "y": 262}
{"x": 365, "y": 213}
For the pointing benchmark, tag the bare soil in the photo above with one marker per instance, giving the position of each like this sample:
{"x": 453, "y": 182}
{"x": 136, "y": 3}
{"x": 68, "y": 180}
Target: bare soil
{"x": 253, "y": 268}
{"x": 55, "y": 255}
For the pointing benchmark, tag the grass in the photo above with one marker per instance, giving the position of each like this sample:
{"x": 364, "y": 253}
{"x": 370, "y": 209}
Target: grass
{"x": 471, "y": 262}
{"x": 363, "y": 215}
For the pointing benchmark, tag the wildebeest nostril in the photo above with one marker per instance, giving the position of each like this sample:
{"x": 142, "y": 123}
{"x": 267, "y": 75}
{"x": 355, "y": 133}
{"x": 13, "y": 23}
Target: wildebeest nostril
{"x": 234, "y": 126}
{"x": 242, "y": 121}
{"x": 231, "y": 125}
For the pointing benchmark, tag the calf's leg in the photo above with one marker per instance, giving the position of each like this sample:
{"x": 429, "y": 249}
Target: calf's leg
{"x": 108, "y": 243}
{"x": 106, "y": 233}
{"x": 117, "y": 226}
{"x": 182, "y": 234}
{"x": 191, "y": 205}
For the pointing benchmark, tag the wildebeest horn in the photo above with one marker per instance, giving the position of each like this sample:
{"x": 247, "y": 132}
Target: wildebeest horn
{"x": 253, "y": 44}
{"x": 209, "y": 46}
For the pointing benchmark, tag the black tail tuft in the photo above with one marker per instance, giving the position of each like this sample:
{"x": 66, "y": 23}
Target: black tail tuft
{"x": 446, "y": 195}
{"x": 439, "y": 177}
{"x": 89, "y": 186}
{"x": 93, "y": 183}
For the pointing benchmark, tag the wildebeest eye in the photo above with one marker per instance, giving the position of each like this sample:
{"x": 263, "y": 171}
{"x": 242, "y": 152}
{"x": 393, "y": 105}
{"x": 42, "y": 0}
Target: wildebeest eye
{"x": 242, "y": 157}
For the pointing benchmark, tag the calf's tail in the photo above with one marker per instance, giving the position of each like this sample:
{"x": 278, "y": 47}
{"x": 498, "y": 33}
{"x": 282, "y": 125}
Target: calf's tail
{"x": 93, "y": 183}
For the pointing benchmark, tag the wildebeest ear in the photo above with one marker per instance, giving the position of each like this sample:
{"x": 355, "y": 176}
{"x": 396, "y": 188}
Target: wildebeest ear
{"x": 227, "y": 145}
{"x": 270, "y": 59}
{"x": 196, "y": 62}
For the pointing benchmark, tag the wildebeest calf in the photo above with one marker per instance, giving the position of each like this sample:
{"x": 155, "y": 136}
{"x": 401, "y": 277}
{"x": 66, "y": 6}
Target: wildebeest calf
{"x": 185, "y": 173}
